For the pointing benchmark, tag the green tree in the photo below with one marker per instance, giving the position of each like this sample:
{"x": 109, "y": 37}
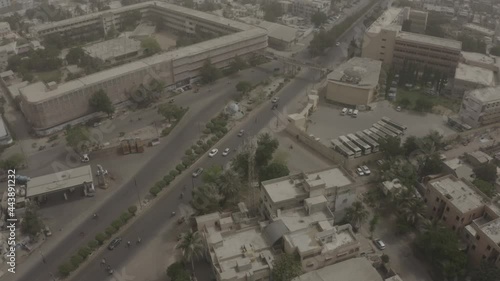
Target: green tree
{"x": 320, "y": 42}
{"x": 272, "y": 11}
{"x": 318, "y": 18}
{"x": 212, "y": 175}
{"x": 78, "y": 138}
{"x": 230, "y": 185}
{"x": 191, "y": 246}
{"x": 237, "y": 64}
{"x": 100, "y": 101}
{"x": 131, "y": 19}
{"x": 273, "y": 171}
{"x": 150, "y": 46}
{"x": 177, "y": 272}
{"x": 432, "y": 165}
{"x": 411, "y": 210}
{"x": 487, "y": 188}
{"x": 206, "y": 199}
{"x": 240, "y": 163}
{"x": 32, "y": 223}
{"x": 404, "y": 102}
{"x": 495, "y": 50}
{"x": 208, "y": 72}
{"x": 169, "y": 111}
{"x": 244, "y": 87}
{"x": 12, "y": 162}
{"x": 410, "y": 145}
{"x": 391, "y": 146}
{"x": 75, "y": 55}
{"x": 486, "y": 272}
{"x": 266, "y": 146}
{"x": 373, "y": 223}
{"x": 423, "y": 104}
{"x": 286, "y": 267}
{"x": 486, "y": 172}
{"x": 356, "y": 214}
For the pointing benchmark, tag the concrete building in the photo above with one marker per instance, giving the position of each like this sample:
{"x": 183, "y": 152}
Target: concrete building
{"x": 115, "y": 50}
{"x": 331, "y": 185}
{"x": 5, "y": 137}
{"x": 480, "y": 60}
{"x": 469, "y": 77}
{"x": 49, "y": 109}
{"x": 481, "y": 107}
{"x": 385, "y": 41}
{"x": 354, "y": 82}
{"x": 463, "y": 208}
{"x": 356, "y": 269}
{"x": 478, "y": 158}
{"x": 305, "y": 8}
{"x": 4, "y": 29}
{"x": 443, "y": 10}
{"x": 479, "y": 29}
{"x": 418, "y": 21}
{"x": 280, "y": 37}
{"x": 5, "y": 3}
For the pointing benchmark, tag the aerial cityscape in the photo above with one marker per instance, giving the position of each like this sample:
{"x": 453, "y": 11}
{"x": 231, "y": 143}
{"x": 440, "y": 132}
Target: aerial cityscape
{"x": 250, "y": 140}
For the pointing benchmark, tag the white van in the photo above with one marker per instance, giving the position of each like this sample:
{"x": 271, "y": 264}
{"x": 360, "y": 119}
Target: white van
{"x": 349, "y": 112}
{"x": 343, "y": 112}
{"x": 355, "y": 113}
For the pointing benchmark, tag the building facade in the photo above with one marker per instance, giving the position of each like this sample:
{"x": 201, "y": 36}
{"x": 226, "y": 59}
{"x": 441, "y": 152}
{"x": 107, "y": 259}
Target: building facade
{"x": 481, "y": 107}
{"x": 49, "y": 109}
{"x": 355, "y": 82}
{"x": 461, "y": 207}
{"x": 418, "y": 21}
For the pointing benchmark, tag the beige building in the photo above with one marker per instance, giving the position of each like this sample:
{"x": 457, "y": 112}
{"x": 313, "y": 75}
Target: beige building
{"x": 481, "y": 107}
{"x": 355, "y": 269}
{"x": 385, "y": 41}
{"x": 330, "y": 186}
{"x": 463, "y": 208}
{"x": 355, "y": 82}
{"x": 418, "y": 21}
{"x": 50, "y": 108}
{"x": 480, "y": 60}
{"x": 305, "y": 8}
{"x": 115, "y": 50}
{"x": 468, "y": 77}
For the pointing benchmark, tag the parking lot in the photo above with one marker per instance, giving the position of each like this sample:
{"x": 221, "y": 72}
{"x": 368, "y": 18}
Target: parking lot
{"x": 327, "y": 123}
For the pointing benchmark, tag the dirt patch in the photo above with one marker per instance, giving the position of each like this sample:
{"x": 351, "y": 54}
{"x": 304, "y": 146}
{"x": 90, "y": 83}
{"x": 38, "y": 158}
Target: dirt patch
{"x": 166, "y": 40}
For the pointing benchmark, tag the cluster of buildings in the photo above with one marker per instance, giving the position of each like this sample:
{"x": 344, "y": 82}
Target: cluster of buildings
{"x": 300, "y": 212}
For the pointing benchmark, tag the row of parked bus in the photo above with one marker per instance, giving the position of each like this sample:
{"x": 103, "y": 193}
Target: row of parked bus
{"x": 367, "y": 141}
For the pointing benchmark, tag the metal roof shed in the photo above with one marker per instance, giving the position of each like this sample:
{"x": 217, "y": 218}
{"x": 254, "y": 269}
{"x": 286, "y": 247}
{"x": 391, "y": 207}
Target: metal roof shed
{"x": 59, "y": 181}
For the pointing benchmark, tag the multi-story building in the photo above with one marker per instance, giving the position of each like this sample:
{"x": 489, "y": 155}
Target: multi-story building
{"x": 463, "y": 208}
{"x": 305, "y": 8}
{"x": 418, "y": 21}
{"x": 385, "y": 41}
{"x": 49, "y": 109}
{"x": 354, "y": 82}
{"x": 481, "y": 107}
{"x": 468, "y": 77}
{"x": 4, "y": 29}
{"x": 355, "y": 269}
{"x": 330, "y": 185}
{"x": 5, "y": 3}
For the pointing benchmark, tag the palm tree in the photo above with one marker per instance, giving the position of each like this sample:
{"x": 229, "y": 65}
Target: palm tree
{"x": 356, "y": 214}
{"x": 427, "y": 225}
{"x": 412, "y": 210}
{"x": 230, "y": 184}
{"x": 192, "y": 246}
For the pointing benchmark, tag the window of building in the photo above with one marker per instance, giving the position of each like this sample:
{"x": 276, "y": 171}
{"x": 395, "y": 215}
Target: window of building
{"x": 478, "y": 237}
{"x": 437, "y": 199}
{"x": 488, "y": 248}
{"x": 457, "y": 218}
{"x": 447, "y": 209}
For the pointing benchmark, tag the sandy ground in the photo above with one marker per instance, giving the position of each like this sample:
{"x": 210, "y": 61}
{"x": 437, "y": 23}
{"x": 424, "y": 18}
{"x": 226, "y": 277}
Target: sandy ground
{"x": 165, "y": 39}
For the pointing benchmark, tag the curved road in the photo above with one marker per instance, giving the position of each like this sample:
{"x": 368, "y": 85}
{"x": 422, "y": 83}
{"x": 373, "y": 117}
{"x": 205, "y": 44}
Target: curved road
{"x": 148, "y": 225}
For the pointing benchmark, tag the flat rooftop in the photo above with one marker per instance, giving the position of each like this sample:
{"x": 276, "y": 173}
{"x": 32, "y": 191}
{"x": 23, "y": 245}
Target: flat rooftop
{"x": 463, "y": 197}
{"x": 58, "y": 181}
{"x": 113, "y": 48}
{"x": 474, "y": 74}
{"x": 282, "y": 189}
{"x": 486, "y": 95}
{"x": 480, "y": 29}
{"x": 355, "y": 269}
{"x": 478, "y": 57}
{"x": 440, "y": 9}
{"x": 357, "y": 72}
{"x": 232, "y": 243}
{"x": 297, "y": 219}
{"x": 3, "y": 130}
{"x": 430, "y": 40}
{"x": 274, "y": 30}
{"x": 392, "y": 16}
{"x": 308, "y": 239}
{"x": 492, "y": 230}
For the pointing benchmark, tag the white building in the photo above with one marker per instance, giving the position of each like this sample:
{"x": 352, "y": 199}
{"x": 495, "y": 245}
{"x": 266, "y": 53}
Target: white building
{"x": 468, "y": 77}
{"x": 4, "y": 29}
{"x": 305, "y": 8}
{"x": 5, "y": 3}
{"x": 481, "y": 107}
{"x": 114, "y": 50}
{"x": 357, "y": 269}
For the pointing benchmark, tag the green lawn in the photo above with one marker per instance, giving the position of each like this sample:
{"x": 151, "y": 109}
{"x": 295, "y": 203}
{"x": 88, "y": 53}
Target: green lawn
{"x": 414, "y": 95}
{"x": 50, "y": 76}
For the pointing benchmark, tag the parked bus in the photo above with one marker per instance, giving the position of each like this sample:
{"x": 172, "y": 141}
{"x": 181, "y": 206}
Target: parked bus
{"x": 383, "y": 129}
{"x": 390, "y": 128}
{"x": 349, "y": 144}
{"x": 371, "y": 134}
{"x": 374, "y": 145}
{"x": 367, "y": 149}
{"x": 340, "y": 148}
{"x": 379, "y": 133}
{"x": 394, "y": 124}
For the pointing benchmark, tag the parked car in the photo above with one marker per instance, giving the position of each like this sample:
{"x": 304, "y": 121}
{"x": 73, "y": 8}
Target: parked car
{"x": 360, "y": 172}
{"x": 275, "y": 99}
{"x": 85, "y": 158}
{"x": 241, "y": 133}
{"x": 198, "y": 172}
{"x": 380, "y": 163}
{"x": 379, "y": 243}
{"x": 349, "y": 112}
{"x": 213, "y": 152}
{"x": 337, "y": 44}
{"x": 226, "y": 152}
{"x": 114, "y": 243}
{"x": 366, "y": 170}
{"x": 398, "y": 109}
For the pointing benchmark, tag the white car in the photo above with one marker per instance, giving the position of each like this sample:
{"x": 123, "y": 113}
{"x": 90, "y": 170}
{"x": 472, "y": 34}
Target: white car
{"x": 349, "y": 112}
{"x": 85, "y": 158}
{"x": 337, "y": 44}
{"x": 379, "y": 243}
{"x": 366, "y": 170}
{"x": 360, "y": 172}
{"x": 275, "y": 100}
{"x": 225, "y": 152}
{"x": 213, "y": 152}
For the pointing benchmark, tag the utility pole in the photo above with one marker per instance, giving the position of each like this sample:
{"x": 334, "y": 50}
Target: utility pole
{"x": 138, "y": 194}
